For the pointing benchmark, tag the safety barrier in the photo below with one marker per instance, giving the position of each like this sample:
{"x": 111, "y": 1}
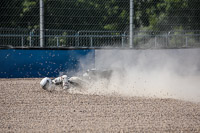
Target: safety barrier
{"x": 33, "y": 63}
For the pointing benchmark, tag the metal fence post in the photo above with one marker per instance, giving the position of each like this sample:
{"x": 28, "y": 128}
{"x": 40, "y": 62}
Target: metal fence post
{"x": 186, "y": 41}
{"x": 57, "y": 41}
{"x": 41, "y": 23}
{"x": 77, "y": 39}
{"x": 131, "y": 25}
{"x": 91, "y": 42}
{"x": 30, "y": 39}
{"x": 166, "y": 40}
{"x": 123, "y": 35}
{"x": 22, "y": 41}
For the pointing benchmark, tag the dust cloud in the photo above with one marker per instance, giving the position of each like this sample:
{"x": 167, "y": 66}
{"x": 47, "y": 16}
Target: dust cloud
{"x": 167, "y": 73}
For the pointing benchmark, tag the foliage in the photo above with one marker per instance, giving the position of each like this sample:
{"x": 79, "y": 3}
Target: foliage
{"x": 156, "y": 15}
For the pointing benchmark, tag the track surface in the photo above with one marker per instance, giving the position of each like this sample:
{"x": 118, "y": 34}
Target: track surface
{"x": 25, "y": 107}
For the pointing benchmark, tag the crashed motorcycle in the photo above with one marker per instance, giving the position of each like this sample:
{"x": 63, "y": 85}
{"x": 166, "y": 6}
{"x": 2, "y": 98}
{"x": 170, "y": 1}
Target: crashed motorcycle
{"x": 64, "y": 82}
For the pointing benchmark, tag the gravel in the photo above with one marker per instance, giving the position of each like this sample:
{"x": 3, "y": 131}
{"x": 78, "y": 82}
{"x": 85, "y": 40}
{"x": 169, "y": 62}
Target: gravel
{"x": 25, "y": 107}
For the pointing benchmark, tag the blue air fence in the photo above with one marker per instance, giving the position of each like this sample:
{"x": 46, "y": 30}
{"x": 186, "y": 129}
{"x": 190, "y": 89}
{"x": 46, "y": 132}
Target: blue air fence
{"x": 18, "y": 63}
{"x": 99, "y": 39}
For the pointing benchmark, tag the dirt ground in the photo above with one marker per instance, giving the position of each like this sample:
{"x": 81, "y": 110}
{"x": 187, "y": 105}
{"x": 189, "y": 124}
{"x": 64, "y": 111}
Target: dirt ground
{"x": 25, "y": 107}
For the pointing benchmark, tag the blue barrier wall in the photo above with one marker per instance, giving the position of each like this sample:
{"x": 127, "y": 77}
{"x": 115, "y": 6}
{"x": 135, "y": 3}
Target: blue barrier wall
{"x": 27, "y": 63}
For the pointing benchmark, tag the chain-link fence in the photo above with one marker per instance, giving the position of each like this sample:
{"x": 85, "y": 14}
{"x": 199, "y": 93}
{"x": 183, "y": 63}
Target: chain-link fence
{"x": 100, "y": 23}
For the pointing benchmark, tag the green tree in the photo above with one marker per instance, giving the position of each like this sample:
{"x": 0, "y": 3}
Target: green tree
{"x": 9, "y": 13}
{"x": 165, "y": 15}
{"x": 30, "y": 14}
{"x": 86, "y": 15}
